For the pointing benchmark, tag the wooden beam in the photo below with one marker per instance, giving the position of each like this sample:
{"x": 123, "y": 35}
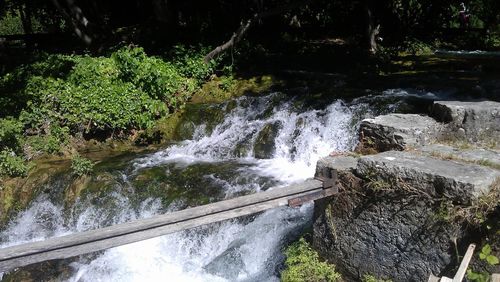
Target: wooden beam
{"x": 138, "y": 230}
{"x": 459, "y": 276}
{"x": 299, "y": 201}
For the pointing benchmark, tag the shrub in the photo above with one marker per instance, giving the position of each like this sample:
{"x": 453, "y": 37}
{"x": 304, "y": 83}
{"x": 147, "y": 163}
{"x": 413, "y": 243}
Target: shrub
{"x": 159, "y": 79}
{"x": 10, "y": 133}
{"x": 303, "y": 264}
{"x": 81, "y": 166}
{"x": 92, "y": 98}
{"x": 190, "y": 62}
{"x": 11, "y": 164}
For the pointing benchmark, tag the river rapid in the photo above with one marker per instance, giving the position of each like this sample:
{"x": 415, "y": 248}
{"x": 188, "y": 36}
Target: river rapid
{"x": 259, "y": 143}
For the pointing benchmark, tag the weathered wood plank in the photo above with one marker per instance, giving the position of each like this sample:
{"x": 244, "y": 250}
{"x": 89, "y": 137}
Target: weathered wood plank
{"x": 433, "y": 278}
{"x": 298, "y": 201}
{"x": 459, "y": 276}
{"x": 108, "y": 237}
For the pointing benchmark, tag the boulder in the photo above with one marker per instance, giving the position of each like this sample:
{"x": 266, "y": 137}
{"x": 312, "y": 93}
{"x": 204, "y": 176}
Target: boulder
{"x": 439, "y": 178}
{"x": 473, "y": 121}
{"x": 339, "y": 163}
{"x": 385, "y": 220}
{"x": 481, "y": 156}
{"x": 398, "y": 131}
{"x": 264, "y": 146}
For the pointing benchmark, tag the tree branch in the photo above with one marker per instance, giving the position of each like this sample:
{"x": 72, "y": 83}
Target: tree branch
{"x": 245, "y": 26}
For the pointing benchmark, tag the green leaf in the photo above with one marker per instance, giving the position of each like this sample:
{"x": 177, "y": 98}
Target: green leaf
{"x": 482, "y": 256}
{"x": 493, "y": 260}
{"x": 486, "y": 249}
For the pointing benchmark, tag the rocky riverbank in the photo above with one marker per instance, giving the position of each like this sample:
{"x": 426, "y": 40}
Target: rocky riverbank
{"x": 422, "y": 190}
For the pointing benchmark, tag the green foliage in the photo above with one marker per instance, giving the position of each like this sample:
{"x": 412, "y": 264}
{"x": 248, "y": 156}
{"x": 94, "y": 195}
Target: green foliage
{"x": 11, "y": 164}
{"x": 10, "y": 133}
{"x": 190, "y": 62}
{"x": 303, "y": 264}
{"x": 51, "y": 142}
{"x": 227, "y": 82}
{"x": 371, "y": 278}
{"x": 81, "y": 166}
{"x": 486, "y": 255}
{"x": 416, "y": 47}
{"x": 92, "y": 97}
{"x": 160, "y": 79}
{"x": 10, "y": 23}
{"x": 489, "y": 258}
{"x": 59, "y": 95}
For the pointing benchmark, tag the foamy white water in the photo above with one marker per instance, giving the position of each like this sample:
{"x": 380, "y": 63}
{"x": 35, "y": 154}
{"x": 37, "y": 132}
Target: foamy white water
{"x": 247, "y": 249}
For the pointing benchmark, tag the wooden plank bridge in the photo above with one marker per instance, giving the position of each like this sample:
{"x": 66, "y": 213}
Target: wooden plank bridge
{"x": 138, "y": 230}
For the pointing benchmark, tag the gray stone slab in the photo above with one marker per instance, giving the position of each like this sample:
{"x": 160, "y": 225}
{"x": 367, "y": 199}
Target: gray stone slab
{"x": 474, "y": 121}
{"x": 340, "y": 163}
{"x": 437, "y": 177}
{"x": 479, "y": 155}
{"x": 398, "y": 131}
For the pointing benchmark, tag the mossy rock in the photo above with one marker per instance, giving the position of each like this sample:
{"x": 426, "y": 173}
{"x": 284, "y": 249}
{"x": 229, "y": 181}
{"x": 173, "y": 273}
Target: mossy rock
{"x": 264, "y": 146}
{"x": 16, "y": 193}
{"x": 215, "y": 90}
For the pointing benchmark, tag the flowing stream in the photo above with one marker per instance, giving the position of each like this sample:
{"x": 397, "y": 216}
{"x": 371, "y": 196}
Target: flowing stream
{"x": 258, "y": 143}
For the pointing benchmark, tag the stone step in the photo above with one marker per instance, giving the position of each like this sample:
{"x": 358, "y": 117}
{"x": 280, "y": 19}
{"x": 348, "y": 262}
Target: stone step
{"x": 481, "y": 156}
{"x": 474, "y": 121}
{"x": 438, "y": 178}
{"x": 398, "y": 131}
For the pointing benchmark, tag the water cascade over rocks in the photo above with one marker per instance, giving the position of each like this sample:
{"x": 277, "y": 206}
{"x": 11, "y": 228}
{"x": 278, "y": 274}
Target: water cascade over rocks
{"x": 262, "y": 142}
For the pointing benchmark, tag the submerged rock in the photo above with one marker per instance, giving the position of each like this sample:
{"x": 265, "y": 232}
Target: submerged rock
{"x": 264, "y": 143}
{"x": 229, "y": 263}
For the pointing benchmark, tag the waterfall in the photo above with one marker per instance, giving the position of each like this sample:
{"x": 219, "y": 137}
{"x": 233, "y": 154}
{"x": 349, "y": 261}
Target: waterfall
{"x": 264, "y": 142}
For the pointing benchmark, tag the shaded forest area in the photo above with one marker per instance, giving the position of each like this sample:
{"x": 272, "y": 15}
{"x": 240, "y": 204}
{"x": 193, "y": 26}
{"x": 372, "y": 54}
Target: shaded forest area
{"x": 83, "y": 69}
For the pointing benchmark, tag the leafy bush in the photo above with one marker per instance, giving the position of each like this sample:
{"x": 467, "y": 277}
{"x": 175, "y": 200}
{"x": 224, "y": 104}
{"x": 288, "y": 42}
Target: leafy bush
{"x": 303, "y": 264}
{"x": 51, "y": 142}
{"x": 159, "y": 79}
{"x": 11, "y": 164}
{"x": 81, "y": 166}
{"x": 10, "y": 23}
{"x": 190, "y": 62}
{"x": 10, "y": 134}
{"x": 92, "y": 98}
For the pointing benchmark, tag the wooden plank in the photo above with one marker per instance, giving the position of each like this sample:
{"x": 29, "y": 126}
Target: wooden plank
{"x": 495, "y": 277}
{"x": 459, "y": 276}
{"x": 298, "y": 201}
{"x": 108, "y": 237}
{"x": 433, "y": 278}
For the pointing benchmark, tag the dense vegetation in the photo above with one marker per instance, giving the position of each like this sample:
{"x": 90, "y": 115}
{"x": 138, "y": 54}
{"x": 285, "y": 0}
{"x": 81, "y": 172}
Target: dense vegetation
{"x": 303, "y": 264}
{"x": 59, "y": 96}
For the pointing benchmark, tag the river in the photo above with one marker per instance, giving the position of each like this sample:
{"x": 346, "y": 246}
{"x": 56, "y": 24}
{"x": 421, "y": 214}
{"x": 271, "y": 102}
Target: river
{"x": 259, "y": 143}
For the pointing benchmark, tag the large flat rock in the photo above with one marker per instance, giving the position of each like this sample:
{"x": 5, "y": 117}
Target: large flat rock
{"x": 481, "y": 156}
{"x": 398, "y": 131}
{"x": 339, "y": 163}
{"x": 474, "y": 121}
{"x": 439, "y": 178}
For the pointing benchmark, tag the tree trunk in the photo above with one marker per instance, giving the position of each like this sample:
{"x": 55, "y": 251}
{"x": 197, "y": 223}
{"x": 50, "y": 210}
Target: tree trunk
{"x": 77, "y": 19}
{"x": 372, "y": 30}
{"x": 25, "y": 14}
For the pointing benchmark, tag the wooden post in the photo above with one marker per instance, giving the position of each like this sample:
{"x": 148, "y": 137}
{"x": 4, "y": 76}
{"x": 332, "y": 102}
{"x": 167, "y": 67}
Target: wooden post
{"x": 459, "y": 276}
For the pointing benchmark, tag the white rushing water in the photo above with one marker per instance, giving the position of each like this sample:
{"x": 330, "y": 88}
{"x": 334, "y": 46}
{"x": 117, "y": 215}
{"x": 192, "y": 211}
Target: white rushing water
{"x": 236, "y": 250}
